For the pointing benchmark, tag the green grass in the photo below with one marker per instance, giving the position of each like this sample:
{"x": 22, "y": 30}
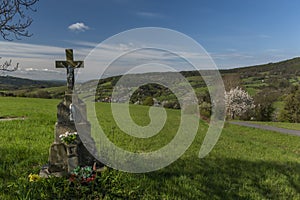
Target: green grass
{"x": 252, "y": 91}
{"x": 106, "y": 84}
{"x": 246, "y": 163}
{"x": 136, "y": 144}
{"x": 256, "y": 85}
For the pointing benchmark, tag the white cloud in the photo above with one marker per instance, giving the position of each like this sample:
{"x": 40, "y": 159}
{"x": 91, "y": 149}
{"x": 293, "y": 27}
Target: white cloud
{"x": 149, "y": 15}
{"x": 37, "y": 61}
{"x": 79, "y": 27}
{"x": 83, "y": 43}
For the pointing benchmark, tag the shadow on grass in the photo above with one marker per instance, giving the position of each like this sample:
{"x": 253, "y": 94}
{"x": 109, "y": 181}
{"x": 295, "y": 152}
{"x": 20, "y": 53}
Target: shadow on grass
{"x": 225, "y": 178}
{"x": 188, "y": 178}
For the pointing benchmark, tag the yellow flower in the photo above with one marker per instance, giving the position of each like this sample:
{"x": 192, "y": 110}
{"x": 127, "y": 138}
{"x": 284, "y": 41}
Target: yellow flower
{"x": 34, "y": 177}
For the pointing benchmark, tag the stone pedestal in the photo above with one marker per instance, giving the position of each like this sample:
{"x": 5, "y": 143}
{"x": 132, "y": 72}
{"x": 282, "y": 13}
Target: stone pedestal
{"x": 72, "y": 156}
{"x": 63, "y": 158}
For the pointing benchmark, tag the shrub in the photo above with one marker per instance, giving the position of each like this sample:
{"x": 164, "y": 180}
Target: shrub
{"x": 205, "y": 110}
{"x": 291, "y": 111}
{"x": 171, "y": 104}
{"x": 148, "y": 101}
{"x": 264, "y": 104}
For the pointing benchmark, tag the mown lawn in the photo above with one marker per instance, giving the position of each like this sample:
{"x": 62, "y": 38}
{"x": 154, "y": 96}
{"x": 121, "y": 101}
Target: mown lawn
{"x": 246, "y": 163}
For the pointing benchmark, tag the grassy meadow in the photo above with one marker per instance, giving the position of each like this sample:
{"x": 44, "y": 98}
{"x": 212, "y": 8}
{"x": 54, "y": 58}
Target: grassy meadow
{"x": 246, "y": 163}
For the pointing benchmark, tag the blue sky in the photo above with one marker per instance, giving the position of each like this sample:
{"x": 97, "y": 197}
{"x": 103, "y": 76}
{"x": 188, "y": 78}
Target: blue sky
{"x": 234, "y": 32}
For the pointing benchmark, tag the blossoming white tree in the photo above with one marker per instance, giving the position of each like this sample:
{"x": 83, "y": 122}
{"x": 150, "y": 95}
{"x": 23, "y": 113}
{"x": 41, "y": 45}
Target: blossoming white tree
{"x": 237, "y": 102}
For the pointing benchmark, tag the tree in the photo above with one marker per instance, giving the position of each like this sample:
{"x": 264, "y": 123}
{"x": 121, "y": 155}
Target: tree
{"x": 264, "y": 101}
{"x": 291, "y": 111}
{"x": 7, "y": 66}
{"x": 148, "y": 101}
{"x": 231, "y": 81}
{"x": 238, "y": 102}
{"x": 14, "y": 20}
{"x": 205, "y": 110}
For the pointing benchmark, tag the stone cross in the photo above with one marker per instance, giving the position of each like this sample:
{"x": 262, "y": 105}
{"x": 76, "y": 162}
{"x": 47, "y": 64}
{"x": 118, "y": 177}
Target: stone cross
{"x": 70, "y": 65}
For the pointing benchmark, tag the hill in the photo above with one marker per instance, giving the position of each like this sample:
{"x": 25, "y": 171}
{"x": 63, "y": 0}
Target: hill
{"x": 290, "y": 66}
{"x": 254, "y": 79}
{"x": 13, "y": 86}
{"x": 14, "y": 83}
{"x": 269, "y": 85}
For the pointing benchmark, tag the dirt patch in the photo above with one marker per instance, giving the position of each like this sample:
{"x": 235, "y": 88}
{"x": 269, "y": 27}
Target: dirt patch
{"x": 12, "y": 118}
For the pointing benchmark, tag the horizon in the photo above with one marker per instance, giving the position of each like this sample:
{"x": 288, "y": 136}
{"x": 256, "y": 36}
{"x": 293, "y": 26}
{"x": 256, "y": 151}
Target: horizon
{"x": 235, "y": 34}
{"x": 9, "y": 74}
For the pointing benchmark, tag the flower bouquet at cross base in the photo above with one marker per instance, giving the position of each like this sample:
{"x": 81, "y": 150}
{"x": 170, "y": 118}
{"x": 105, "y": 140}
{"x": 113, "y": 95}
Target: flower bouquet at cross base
{"x": 68, "y": 138}
{"x": 85, "y": 174}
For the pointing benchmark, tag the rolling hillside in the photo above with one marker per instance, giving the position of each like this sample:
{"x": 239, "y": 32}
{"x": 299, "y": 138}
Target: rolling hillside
{"x": 275, "y": 78}
{"x": 14, "y": 83}
{"x": 270, "y": 82}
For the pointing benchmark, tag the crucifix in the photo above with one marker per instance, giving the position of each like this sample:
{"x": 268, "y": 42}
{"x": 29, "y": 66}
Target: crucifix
{"x": 70, "y": 65}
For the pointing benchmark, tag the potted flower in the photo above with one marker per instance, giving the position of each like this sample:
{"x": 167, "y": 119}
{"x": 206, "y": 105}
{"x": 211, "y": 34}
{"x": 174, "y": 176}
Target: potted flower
{"x": 85, "y": 174}
{"x": 70, "y": 140}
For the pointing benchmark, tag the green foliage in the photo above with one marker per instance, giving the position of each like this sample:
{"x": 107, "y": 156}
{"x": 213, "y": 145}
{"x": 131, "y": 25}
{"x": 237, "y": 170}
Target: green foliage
{"x": 264, "y": 102}
{"x": 205, "y": 110}
{"x": 107, "y": 185}
{"x": 291, "y": 111}
{"x": 41, "y": 94}
{"x": 68, "y": 138}
{"x": 148, "y": 101}
{"x": 14, "y": 83}
{"x": 83, "y": 172}
{"x": 173, "y": 104}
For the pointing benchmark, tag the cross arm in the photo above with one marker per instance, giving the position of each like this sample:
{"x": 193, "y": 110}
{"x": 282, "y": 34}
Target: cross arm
{"x": 61, "y": 64}
{"x": 78, "y": 64}
{"x": 66, "y": 64}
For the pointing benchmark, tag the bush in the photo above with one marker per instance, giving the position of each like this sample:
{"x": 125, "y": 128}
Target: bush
{"x": 148, "y": 101}
{"x": 264, "y": 105}
{"x": 291, "y": 111}
{"x": 205, "y": 110}
{"x": 171, "y": 104}
{"x": 43, "y": 94}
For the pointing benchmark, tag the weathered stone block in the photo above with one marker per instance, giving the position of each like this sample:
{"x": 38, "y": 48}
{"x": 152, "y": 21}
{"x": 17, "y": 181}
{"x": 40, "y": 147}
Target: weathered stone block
{"x": 57, "y": 155}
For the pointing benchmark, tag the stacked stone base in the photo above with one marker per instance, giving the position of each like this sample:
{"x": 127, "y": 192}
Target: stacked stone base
{"x": 63, "y": 158}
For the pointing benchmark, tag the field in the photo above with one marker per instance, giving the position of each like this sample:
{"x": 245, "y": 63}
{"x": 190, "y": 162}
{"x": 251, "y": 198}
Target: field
{"x": 246, "y": 163}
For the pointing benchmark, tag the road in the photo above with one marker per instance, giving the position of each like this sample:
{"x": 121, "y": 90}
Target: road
{"x": 265, "y": 127}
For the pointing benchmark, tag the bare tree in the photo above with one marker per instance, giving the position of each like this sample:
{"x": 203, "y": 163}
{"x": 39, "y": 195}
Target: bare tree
{"x": 14, "y": 20}
{"x": 231, "y": 81}
{"x": 7, "y": 66}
